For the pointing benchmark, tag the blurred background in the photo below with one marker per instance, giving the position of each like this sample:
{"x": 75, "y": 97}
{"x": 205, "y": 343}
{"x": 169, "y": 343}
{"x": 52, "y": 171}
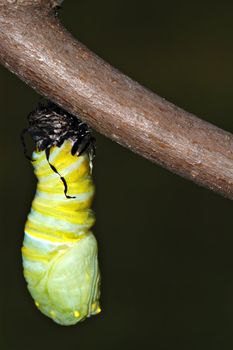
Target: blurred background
{"x": 165, "y": 244}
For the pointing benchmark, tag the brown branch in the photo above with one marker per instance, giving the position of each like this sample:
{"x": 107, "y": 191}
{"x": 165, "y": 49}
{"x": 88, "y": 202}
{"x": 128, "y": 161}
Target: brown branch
{"x": 35, "y": 46}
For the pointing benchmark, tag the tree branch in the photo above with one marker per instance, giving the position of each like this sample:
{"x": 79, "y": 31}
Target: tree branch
{"x": 35, "y": 46}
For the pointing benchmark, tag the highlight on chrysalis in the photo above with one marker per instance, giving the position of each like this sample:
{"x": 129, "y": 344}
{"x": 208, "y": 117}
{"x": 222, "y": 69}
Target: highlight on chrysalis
{"x": 59, "y": 250}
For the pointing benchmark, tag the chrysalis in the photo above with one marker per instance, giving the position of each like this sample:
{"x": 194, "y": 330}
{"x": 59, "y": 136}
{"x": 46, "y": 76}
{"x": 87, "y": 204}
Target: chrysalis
{"x": 59, "y": 250}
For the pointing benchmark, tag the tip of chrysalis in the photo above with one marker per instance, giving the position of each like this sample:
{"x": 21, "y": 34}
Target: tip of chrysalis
{"x": 95, "y": 308}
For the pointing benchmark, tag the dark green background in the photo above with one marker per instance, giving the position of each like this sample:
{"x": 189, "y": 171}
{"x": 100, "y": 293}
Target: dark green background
{"x": 165, "y": 244}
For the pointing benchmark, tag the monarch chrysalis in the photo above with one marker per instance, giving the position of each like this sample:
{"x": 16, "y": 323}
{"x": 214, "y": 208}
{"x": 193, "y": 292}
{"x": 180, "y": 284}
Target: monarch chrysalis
{"x": 59, "y": 250}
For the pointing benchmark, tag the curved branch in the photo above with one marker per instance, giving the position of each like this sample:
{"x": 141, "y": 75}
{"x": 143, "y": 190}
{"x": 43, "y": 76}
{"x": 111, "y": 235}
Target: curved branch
{"x": 35, "y": 46}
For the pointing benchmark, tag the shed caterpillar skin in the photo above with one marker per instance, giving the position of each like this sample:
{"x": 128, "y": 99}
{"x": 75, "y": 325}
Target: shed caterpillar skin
{"x": 59, "y": 250}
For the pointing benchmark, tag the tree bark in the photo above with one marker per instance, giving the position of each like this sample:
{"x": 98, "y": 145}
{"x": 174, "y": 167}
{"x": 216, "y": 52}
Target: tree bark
{"x": 35, "y": 46}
